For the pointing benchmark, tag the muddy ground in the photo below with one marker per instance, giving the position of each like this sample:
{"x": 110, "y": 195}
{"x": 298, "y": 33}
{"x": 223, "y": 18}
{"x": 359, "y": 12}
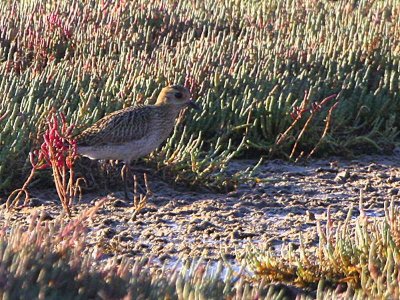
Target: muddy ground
{"x": 286, "y": 199}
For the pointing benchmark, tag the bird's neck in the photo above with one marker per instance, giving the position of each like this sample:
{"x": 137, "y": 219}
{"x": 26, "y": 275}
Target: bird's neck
{"x": 170, "y": 111}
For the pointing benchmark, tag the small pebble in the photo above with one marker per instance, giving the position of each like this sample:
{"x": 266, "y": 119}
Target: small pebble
{"x": 310, "y": 216}
{"x": 120, "y": 203}
{"x": 45, "y": 216}
{"x": 35, "y": 202}
{"x": 342, "y": 176}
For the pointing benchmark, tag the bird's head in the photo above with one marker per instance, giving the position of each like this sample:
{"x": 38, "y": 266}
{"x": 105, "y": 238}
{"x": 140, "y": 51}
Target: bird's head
{"x": 177, "y": 96}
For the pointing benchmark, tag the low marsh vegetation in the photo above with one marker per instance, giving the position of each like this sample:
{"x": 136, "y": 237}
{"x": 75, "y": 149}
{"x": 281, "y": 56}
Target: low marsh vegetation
{"x": 358, "y": 257}
{"x": 250, "y": 64}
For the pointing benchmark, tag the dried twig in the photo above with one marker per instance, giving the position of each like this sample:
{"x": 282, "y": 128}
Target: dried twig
{"x": 296, "y": 115}
{"x": 327, "y": 125}
{"x": 13, "y": 202}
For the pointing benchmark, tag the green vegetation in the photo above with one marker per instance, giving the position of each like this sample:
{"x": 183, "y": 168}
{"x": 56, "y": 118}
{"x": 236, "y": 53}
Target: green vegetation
{"x": 249, "y": 63}
{"x": 361, "y": 258}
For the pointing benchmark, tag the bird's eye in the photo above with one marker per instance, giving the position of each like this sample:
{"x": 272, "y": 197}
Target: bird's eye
{"x": 178, "y": 95}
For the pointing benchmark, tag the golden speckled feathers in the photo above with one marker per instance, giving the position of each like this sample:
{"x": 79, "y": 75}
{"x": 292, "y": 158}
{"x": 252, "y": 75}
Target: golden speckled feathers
{"x": 128, "y": 124}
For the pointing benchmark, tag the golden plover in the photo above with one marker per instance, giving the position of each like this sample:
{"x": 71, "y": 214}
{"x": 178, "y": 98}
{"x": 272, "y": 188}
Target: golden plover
{"x": 134, "y": 132}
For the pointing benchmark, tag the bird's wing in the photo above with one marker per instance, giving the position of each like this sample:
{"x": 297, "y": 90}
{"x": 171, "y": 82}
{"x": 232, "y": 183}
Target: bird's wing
{"x": 117, "y": 128}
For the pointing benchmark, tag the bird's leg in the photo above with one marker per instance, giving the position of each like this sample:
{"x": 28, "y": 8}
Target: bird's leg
{"x": 148, "y": 191}
{"x": 142, "y": 190}
{"x": 124, "y": 174}
{"x": 137, "y": 185}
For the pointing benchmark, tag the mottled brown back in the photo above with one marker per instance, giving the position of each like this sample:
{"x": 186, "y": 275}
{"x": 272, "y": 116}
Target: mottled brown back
{"x": 118, "y": 127}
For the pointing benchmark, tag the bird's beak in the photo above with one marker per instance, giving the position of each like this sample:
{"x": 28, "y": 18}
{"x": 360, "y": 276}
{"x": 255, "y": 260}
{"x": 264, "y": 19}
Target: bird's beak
{"x": 194, "y": 105}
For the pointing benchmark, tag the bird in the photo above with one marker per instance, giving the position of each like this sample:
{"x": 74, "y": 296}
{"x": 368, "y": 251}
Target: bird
{"x": 134, "y": 132}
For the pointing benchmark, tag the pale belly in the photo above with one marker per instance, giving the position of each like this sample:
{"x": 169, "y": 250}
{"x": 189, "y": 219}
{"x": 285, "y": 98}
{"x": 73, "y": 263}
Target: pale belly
{"x": 126, "y": 152}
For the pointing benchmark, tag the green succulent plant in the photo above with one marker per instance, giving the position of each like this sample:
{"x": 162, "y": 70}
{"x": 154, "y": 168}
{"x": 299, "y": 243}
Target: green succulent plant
{"x": 249, "y": 63}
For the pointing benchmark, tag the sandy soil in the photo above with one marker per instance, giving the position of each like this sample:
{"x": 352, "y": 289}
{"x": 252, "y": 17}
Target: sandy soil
{"x": 286, "y": 199}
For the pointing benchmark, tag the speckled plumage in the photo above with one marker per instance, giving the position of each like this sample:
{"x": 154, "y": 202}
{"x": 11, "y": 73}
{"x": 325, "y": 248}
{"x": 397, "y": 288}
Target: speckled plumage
{"x": 133, "y": 132}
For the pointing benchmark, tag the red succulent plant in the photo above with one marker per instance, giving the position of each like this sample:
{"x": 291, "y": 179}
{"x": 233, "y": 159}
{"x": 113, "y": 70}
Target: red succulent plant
{"x": 58, "y": 151}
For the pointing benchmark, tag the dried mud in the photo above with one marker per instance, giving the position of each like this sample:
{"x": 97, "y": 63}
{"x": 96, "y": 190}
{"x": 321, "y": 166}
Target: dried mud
{"x": 285, "y": 200}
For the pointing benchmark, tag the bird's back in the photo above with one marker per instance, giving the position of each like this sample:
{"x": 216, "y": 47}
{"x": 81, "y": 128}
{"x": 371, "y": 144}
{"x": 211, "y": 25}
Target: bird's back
{"x": 132, "y": 123}
{"x": 127, "y": 134}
